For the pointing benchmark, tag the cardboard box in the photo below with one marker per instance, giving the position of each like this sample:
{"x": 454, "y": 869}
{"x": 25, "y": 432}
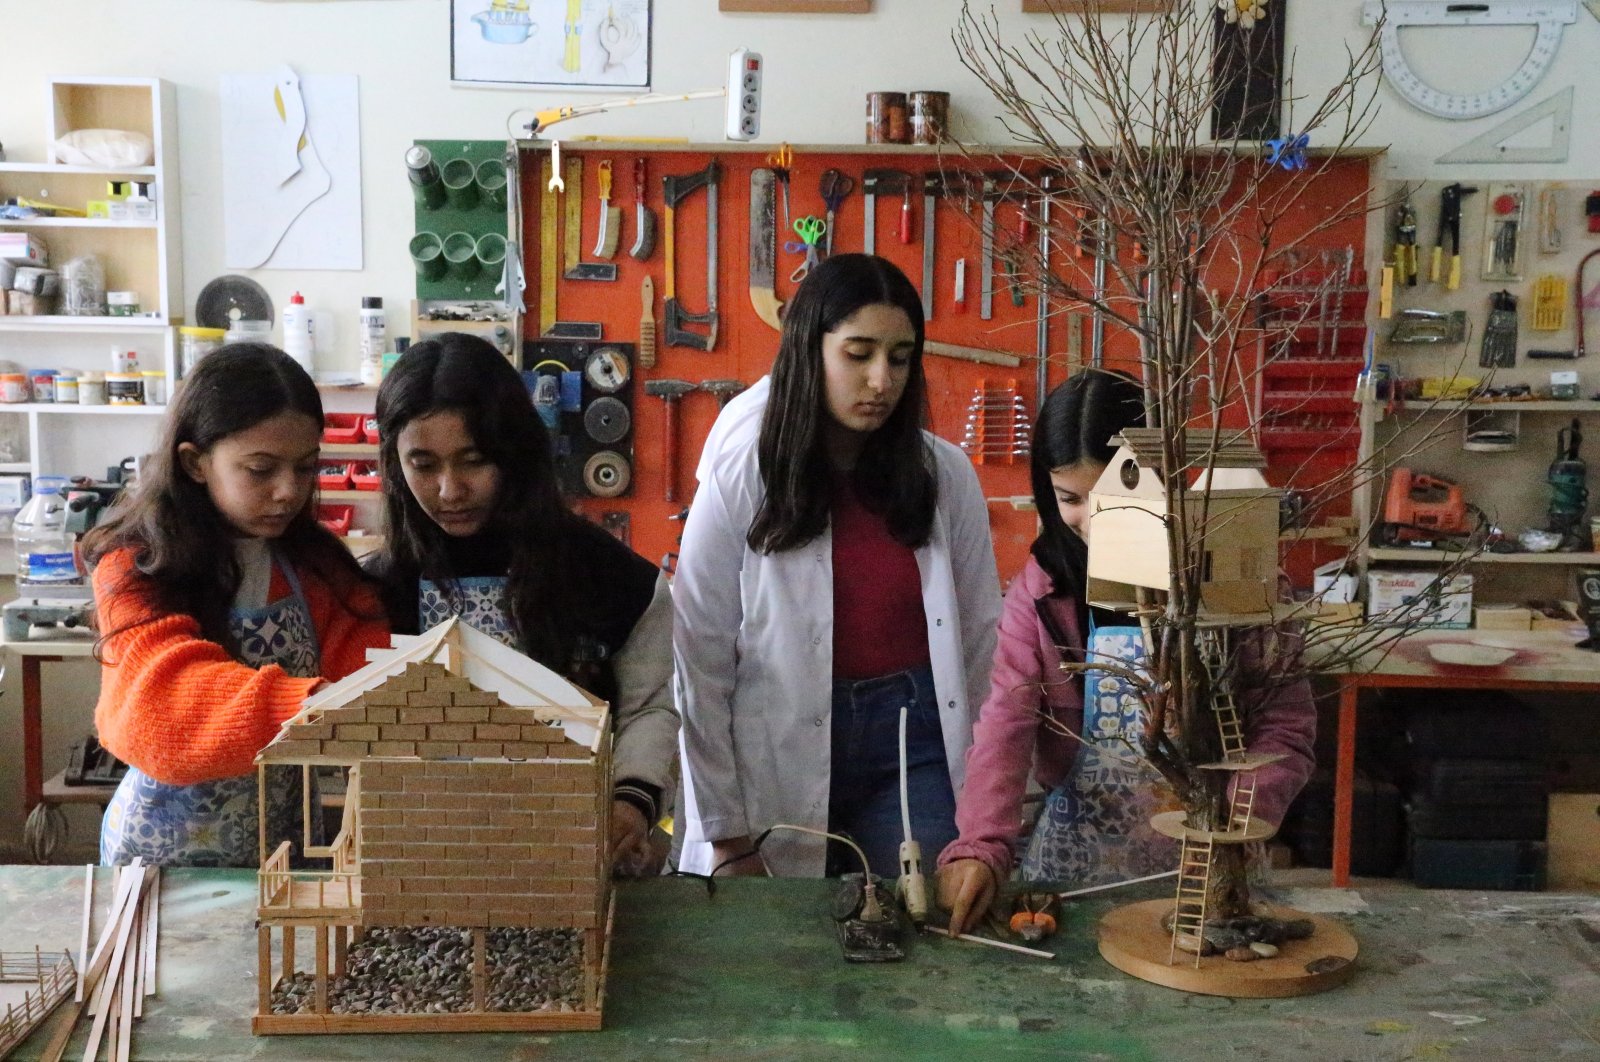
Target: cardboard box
{"x": 1502, "y": 618}
{"x": 1574, "y": 839}
{"x": 1332, "y": 585}
{"x": 23, "y": 248}
{"x": 1419, "y": 598}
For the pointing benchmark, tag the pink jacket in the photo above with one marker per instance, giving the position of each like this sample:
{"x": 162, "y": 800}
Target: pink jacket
{"x": 1010, "y": 735}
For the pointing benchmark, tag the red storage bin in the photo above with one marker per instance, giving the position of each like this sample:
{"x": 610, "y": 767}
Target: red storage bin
{"x": 334, "y": 476}
{"x": 342, "y": 427}
{"x": 369, "y": 428}
{"x": 364, "y": 476}
{"x": 336, "y": 518}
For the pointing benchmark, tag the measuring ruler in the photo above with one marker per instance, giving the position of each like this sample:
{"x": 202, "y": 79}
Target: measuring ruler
{"x": 1548, "y": 15}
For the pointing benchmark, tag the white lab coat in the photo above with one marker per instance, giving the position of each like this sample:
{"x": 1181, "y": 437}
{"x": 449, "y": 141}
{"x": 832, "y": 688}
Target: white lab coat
{"x": 753, "y": 642}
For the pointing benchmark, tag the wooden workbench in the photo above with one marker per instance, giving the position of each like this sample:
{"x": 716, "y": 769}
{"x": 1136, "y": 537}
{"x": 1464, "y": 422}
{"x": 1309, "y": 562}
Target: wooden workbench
{"x": 756, "y": 973}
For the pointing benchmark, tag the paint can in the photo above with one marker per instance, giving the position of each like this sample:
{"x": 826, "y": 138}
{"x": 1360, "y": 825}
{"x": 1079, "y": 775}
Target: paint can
{"x": 66, "y": 388}
{"x": 42, "y": 385}
{"x": 123, "y": 389}
{"x": 91, "y": 389}
{"x": 929, "y": 115}
{"x": 14, "y": 387}
{"x": 886, "y": 118}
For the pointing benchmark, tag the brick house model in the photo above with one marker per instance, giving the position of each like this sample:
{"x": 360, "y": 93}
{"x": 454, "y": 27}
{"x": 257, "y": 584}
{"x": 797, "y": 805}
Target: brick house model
{"x": 479, "y": 796}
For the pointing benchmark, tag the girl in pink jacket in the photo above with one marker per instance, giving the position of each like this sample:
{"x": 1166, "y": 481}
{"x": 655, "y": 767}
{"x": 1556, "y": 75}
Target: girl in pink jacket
{"x": 1095, "y": 825}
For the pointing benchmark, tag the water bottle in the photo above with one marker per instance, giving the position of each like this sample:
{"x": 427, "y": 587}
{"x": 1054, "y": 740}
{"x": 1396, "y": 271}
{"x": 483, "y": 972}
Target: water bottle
{"x": 44, "y": 548}
{"x": 297, "y": 330}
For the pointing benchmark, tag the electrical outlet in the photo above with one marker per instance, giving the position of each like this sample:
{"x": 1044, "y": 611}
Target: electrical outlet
{"x": 744, "y": 95}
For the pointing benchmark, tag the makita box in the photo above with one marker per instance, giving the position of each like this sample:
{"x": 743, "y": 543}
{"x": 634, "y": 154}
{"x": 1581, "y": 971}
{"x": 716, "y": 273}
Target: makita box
{"x": 1420, "y": 598}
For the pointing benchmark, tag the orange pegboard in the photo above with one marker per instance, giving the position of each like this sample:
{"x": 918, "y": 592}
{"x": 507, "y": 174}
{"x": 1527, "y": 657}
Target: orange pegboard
{"x": 746, "y": 345}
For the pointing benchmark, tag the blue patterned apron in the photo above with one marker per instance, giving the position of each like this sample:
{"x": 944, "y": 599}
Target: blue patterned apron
{"x": 1095, "y": 827}
{"x": 214, "y": 824}
{"x": 480, "y": 601}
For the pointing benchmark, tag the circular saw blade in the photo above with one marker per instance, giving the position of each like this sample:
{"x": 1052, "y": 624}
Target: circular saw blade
{"x": 230, "y": 298}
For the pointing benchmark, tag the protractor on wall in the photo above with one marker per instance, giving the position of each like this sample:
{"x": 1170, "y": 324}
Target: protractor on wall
{"x": 1548, "y": 16}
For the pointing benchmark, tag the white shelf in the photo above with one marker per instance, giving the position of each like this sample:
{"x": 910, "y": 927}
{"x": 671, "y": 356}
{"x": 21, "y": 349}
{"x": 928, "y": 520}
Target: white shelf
{"x": 1437, "y": 556}
{"x": 73, "y": 223}
{"x": 72, "y": 408}
{"x": 63, "y": 168}
{"x": 1420, "y": 406}
{"x": 12, "y": 468}
{"x": 60, "y": 323}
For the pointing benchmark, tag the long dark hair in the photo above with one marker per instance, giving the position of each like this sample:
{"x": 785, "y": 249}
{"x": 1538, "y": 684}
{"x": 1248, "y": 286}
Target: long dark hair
{"x": 464, "y": 374}
{"x": 179, "y": 536}
{"x": 894, "y": 474}
{"x": 1076, "y": 424}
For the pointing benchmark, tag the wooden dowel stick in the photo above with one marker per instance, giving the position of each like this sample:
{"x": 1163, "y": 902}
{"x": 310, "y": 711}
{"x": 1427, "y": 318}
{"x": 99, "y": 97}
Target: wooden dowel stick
{"x": 153, "y": 932}
{"x": 1117, "y": 884}
{"x": 995, "y": 943}
{"x": 83, "y": 941}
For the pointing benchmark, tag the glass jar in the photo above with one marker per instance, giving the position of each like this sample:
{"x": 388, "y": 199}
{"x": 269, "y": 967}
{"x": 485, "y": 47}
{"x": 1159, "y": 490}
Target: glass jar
{"x": 195, "y": 343}
{"x": 886, "y": 118}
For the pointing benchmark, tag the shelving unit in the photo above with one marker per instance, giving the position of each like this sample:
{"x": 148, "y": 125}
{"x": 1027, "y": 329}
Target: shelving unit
{"x": 1440, "y": 556}
{"x": 137, "y": 255}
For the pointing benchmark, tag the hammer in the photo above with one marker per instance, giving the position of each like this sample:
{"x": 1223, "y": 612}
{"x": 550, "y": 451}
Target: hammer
{"x": 723, "y": 389}
{"x": 669, "y": 391}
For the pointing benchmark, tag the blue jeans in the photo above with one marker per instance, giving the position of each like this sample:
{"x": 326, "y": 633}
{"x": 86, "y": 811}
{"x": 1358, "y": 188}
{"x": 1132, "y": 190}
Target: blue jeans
{"x": 864, "y": 798}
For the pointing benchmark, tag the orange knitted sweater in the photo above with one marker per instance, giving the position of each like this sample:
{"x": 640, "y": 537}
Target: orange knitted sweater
{"x": 178, "y": 706}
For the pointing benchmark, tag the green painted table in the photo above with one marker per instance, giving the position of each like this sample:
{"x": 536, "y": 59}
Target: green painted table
{"x": 756, "y": 974}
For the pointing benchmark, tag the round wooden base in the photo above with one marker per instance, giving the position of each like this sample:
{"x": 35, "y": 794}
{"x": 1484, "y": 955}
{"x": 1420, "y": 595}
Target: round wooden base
{"x": 1132, "y": 940}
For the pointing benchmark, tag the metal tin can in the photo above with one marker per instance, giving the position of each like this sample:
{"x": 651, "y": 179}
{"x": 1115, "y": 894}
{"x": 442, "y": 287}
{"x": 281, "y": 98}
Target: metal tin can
{"x": 124, "y": 389}
{"x": 929, "y": 113}
{"x": 886, "y": 118}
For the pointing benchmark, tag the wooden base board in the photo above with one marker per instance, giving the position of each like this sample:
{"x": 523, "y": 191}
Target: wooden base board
{"x": 537, "y": 1021}
{"x": 1132, "y": 940}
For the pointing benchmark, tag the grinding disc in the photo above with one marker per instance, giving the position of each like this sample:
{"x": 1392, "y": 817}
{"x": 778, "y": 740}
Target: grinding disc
{"x": 607, "y": 370}
{"x": 231, "y": 298}
{"x": 606, "y": 474}
{"x": 606, "y": 420}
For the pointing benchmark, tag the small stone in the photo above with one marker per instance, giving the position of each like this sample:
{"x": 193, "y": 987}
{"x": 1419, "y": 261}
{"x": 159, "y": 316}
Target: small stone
{"x": 1266, "y": 951}
{"x": 1242, "y": 954}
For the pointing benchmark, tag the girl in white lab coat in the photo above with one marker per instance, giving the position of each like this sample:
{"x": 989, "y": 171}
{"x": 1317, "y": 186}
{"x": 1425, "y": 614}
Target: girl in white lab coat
{"x": 836, "y": 567}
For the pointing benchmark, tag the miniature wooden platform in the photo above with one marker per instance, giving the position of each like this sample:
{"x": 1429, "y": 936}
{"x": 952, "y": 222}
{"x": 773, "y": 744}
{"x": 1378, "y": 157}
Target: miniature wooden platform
{"x": 1133, "y": 940}
{"x": 1170, "y": 824}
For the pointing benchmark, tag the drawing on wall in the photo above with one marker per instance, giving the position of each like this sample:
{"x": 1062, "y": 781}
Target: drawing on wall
{"x": 561, "y": 43}
{"x": 291, "y": 171}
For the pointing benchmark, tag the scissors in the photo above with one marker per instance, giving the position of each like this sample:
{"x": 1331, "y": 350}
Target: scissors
{"x": 780, "y": 161}
{"x": 835, "y": 187}
{"x": 810, "y": 229}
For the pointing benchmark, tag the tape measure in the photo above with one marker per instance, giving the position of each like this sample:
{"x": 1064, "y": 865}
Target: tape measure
{"x": 1549, "y": 16}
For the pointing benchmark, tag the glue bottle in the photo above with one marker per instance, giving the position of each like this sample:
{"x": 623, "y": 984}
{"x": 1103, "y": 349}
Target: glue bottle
{"x": 374, "y": 340}
{"x": 297, "y": 331}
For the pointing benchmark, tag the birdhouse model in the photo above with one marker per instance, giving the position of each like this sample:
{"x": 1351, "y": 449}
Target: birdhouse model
{"x": 476, "y": 816}
{"x": 1231, "y": 513}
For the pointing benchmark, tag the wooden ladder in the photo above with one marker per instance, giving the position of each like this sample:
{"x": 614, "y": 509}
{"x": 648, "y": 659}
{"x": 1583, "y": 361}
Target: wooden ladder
{"x": 1194, "y": 877}
{"x": 1244, "y": 802}
{"x": 1229, "y": 725}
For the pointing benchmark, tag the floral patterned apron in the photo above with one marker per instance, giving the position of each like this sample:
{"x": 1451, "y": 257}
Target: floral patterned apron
{"x": 214, "y": 824}
{"x": 1095, "y": 827}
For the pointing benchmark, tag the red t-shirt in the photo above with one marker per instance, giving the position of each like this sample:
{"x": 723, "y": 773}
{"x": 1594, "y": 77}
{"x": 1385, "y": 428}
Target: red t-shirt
{"x": 879, "y": 627}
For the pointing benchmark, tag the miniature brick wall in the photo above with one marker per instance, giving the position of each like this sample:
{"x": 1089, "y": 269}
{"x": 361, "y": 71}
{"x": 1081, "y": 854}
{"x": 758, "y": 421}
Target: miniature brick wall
{"x": 483, "y": 843}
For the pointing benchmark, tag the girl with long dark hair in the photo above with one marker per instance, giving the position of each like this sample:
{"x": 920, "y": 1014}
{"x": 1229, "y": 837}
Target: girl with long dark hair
{"x": 222, "y": 604}
{"x": 836, "y": 567}
{"x": 475, "y": 527}
{"x": 1077, "y": 735}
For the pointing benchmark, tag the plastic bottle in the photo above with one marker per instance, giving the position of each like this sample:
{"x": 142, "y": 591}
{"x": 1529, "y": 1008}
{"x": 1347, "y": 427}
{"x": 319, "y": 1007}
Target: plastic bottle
{"x": 44, "y": 548}
{"x": 297, "y": 330}
{"x": 374, "y": 340}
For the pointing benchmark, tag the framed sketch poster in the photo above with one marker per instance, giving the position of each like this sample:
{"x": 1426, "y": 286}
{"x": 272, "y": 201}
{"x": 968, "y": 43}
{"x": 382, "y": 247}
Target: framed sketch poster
{"x": 597, "y": 44}
{"x": 806, "y": 7}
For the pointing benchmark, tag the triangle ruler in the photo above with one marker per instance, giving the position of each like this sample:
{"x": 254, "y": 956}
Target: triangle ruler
{"x": 1492, "y": 146}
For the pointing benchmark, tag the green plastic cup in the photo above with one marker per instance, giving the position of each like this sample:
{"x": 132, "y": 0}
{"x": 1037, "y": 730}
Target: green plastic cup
{"x": 491, "y": 178}
{"x": 461, "y": 255}
{"x": 427, "y": 255}
{"x": 492, "y": 251}
{"x": 460, "y": 183}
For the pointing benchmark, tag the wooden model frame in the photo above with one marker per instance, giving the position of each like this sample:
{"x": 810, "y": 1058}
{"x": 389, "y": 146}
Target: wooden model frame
{"x": 479, "y": 796}
{"x": 49, "y": 980}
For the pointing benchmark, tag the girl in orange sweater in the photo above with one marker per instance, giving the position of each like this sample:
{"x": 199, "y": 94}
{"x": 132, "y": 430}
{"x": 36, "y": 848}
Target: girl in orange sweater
{"x": 222, "y": 604}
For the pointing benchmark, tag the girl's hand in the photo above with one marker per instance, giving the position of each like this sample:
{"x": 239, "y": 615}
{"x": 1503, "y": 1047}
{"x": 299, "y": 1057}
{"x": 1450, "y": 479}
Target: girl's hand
{"x": 632, "y": 854}
{"x": 750, "y": 866}
{"x": 966, "y": 889}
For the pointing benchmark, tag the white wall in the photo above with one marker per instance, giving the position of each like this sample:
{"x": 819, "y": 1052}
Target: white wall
{"x": 818, "y": 71}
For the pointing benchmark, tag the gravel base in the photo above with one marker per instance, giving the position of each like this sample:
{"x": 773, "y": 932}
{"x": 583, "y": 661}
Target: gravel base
{"x": 429, "y": 971}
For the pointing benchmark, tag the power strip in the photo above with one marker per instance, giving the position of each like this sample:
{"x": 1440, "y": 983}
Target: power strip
{"x": 744, "y": 95}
